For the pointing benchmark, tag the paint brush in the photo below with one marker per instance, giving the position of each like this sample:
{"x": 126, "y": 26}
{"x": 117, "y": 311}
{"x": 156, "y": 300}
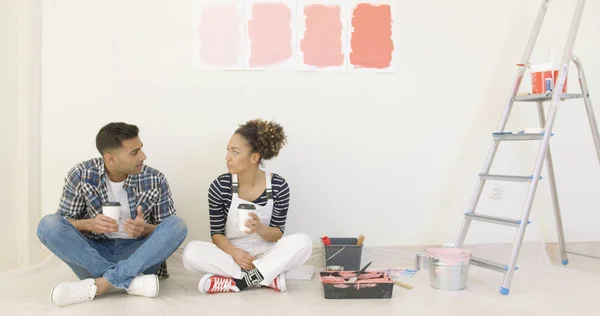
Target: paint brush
{"x": 355, "y": 278}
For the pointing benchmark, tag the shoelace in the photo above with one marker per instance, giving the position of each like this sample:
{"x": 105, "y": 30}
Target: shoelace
{"x": 273, "y": 285}
{"x": 133, "y": 290}
{"x": 82, "y": 293}
{"x": 135, "y": 287}
{"x": 221, "y": 285}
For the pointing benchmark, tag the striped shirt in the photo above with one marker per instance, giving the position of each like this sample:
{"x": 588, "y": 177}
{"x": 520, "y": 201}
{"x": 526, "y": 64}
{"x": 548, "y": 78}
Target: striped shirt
{"x": 219, "y": 202}
{"x": 86, "y": 189}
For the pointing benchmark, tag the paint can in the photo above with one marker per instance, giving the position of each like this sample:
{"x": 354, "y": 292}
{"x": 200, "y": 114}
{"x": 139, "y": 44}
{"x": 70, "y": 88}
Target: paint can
{"x": 543, "y": 78}
{"x": 448, "y": 268}
{"x": 421, "y": 262}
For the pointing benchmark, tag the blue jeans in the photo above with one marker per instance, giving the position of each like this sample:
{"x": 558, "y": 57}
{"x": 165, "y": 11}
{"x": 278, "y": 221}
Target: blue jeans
{"x": 117, "y": 260}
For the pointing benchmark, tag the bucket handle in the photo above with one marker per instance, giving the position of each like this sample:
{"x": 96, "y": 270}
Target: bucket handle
{"x": 335, "y": 254}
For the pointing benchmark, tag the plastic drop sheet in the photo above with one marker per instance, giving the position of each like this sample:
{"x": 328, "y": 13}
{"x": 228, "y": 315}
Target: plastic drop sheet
{"x": 541, "y": 286}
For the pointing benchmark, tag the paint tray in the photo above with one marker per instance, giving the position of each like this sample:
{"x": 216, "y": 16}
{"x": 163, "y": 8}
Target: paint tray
{"x": 370, "y": 284}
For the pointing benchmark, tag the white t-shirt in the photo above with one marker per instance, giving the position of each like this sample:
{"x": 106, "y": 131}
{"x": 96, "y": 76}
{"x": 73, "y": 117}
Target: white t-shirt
{"x": 116, "y": 193}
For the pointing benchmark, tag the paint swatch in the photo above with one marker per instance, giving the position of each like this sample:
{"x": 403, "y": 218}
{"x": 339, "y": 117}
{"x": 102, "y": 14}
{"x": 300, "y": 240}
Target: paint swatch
{"x": 322, "y": 42}
{"x": 220, "y": 36}
{"x": 263, "y": 35}
{"x": 371, "y": 41}
{"x": 270, "y": 34}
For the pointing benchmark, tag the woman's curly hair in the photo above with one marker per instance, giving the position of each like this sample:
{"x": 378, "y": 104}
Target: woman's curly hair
{"x": 266, "y": 138}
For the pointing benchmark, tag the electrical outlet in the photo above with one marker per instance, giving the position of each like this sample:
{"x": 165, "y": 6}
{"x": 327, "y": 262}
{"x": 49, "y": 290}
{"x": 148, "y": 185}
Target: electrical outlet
{"x": 496, "y": 193}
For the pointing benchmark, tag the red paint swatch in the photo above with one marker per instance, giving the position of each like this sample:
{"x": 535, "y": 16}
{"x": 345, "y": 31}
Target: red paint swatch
{"x": 371, "y": 42}
{"x": 322, "y": 43}
{"x": 270, "y": 34}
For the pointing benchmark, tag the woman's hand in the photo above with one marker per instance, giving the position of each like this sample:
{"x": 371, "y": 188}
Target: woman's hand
{"x": 243, "y": 259}
{"x": 254, "y": 225}
{"x": 271, "y": 234}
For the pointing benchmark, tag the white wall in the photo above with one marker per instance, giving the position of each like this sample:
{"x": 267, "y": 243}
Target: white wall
{"x": 19, "y": 131}
{"x": 29, "y": 127}
{"x": 8, "y": 132}
{"x": 393, "y": 157}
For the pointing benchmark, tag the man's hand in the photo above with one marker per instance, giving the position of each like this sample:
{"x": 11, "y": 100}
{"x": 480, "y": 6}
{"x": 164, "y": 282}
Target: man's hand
{"x": 254, "y": 225}
{"x": 103, "y": 224}
{"x": 135, "y": 228}
{"x": 243, "y": 258}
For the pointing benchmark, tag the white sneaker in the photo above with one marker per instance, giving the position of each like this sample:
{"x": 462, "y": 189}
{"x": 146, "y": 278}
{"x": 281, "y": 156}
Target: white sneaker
{"x": 67, "y": 293}
{"x": 144, "y": 285}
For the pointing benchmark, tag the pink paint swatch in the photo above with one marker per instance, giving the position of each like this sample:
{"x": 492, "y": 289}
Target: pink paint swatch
{"x": 371, "y": 42}
{"x": 322, "y": 43}
{"x": 270, "y": 34}
{"x": 219, "y": 31}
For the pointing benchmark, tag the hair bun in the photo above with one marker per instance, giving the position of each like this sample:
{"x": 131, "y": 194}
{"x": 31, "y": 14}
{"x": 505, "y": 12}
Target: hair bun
{"x": 266, "y": 138}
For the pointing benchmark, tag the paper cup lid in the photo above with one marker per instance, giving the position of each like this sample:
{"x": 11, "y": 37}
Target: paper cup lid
{"x": 247, "y": 206}
{"x": 111, "y": 204}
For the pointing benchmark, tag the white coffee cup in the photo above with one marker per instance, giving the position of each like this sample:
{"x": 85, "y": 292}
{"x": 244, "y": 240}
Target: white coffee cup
{"x": 244, "y": 211}
{"x": 112, "y": 210}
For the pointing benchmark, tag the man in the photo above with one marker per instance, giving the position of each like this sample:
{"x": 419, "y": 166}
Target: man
{"x": 128, "y": 254}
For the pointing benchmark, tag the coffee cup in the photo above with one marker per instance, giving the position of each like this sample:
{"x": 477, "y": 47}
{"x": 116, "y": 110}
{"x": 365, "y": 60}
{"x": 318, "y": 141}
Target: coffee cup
{"x": 112, "y": 210}
{"x": 244, "y": 211}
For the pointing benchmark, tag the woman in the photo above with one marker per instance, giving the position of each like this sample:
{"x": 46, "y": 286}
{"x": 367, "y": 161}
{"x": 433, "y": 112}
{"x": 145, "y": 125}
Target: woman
{"x": 258, "y": 254}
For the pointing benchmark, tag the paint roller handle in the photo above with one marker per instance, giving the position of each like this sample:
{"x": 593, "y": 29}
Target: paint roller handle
{"x": 402, "y": 284}
{"x": 361, "y": 240}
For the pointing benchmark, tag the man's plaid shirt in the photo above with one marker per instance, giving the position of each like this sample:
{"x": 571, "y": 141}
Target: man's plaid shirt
{"x": 85, "y": 190}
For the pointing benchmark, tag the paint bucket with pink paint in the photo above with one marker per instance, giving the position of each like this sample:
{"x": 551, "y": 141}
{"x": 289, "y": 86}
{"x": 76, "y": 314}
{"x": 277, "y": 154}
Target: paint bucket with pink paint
{"x": 448, "y": 268}
{"x": 543, "y": 78}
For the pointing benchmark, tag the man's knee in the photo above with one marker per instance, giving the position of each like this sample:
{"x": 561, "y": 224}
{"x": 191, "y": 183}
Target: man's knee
{"x": 49, "y": 226}
{"x": 176, "y": 225}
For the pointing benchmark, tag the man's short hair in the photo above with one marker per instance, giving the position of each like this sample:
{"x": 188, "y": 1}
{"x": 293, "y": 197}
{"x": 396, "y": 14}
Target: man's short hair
{"x": 113, "y": 134}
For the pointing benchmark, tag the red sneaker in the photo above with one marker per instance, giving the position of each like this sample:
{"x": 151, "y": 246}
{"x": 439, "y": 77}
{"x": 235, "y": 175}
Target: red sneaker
{"x": 211, "y": 284}
{"x": 278, "y": 283}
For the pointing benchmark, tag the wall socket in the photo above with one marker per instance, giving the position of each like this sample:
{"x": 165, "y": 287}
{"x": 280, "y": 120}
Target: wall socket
{"x": 496, "y": 193}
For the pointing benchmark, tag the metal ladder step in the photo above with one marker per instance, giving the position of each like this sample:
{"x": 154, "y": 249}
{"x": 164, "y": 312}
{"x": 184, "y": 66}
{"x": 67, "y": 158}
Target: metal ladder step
{"x": 494, "y": 219}
{"x": 488, "y": 264}
{"x": 546, "y": 97}
{"x": 487, "y": 176}
{"x": 580, "y": 254}
{"x": 517, "y": 136}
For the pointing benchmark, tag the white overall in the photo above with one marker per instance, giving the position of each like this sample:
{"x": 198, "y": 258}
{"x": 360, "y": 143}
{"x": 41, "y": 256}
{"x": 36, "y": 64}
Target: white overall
{"x": 252, "y": 243}
{"x": 272, "y": 258}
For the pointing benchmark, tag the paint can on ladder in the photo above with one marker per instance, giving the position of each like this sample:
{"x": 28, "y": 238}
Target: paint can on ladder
{"x": 543, "y": 78}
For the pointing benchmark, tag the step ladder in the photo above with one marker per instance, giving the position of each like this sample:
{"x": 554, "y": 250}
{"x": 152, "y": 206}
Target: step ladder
{"x": 544, "y": 155}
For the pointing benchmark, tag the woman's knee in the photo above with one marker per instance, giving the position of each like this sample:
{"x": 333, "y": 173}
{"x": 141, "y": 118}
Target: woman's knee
{"x": 192, "y": 252}
{"x": 301, "y": 240}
